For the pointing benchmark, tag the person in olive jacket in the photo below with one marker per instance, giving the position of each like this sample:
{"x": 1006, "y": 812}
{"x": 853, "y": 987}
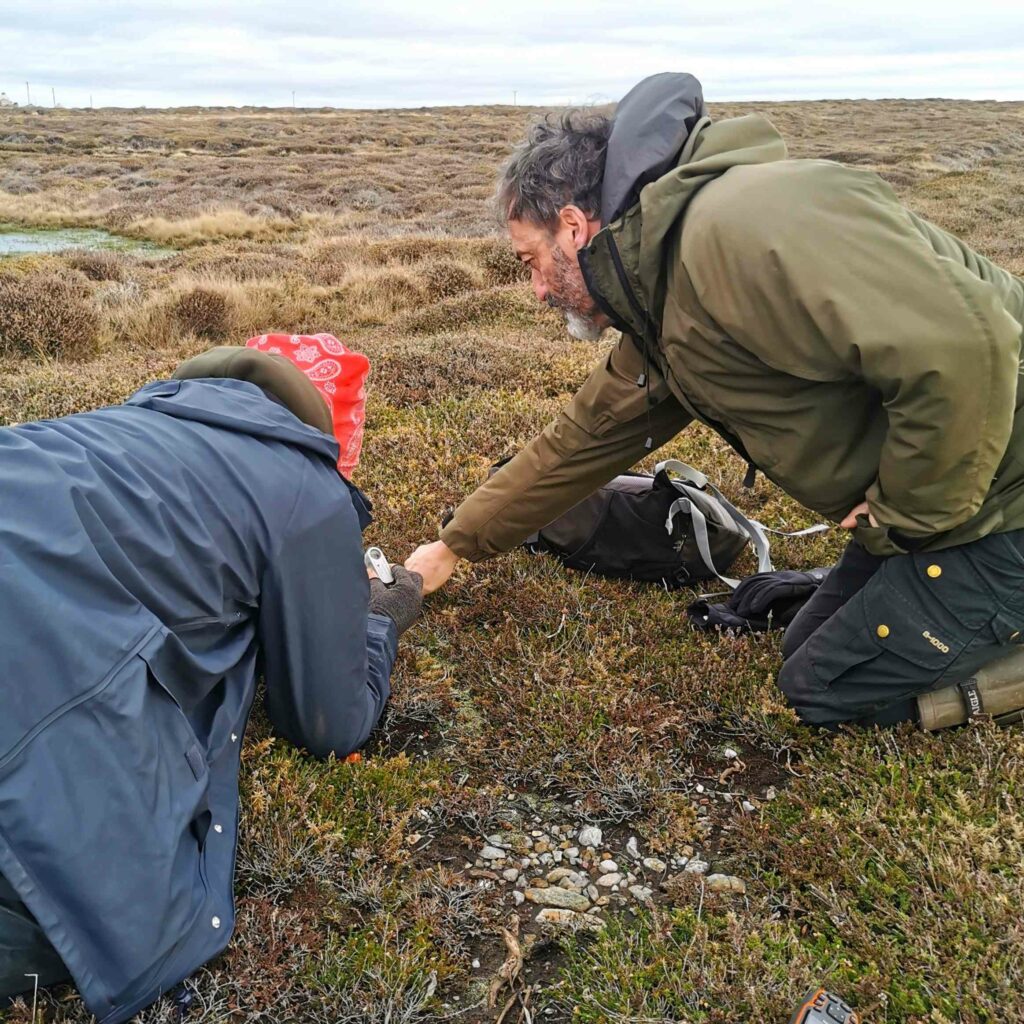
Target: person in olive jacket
{"x": 861, "y": 358}
{"x": 156, "y": 557}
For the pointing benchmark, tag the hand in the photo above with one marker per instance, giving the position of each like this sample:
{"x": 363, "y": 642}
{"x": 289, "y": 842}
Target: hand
{"x": 434, "y": 562}
{"x": 402, "y": 601}
{"x": 850, "y": 522}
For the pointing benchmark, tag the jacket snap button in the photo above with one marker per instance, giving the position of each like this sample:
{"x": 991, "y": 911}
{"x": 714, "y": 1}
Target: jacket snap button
{"x": 882, "y": 631}
{"x": 215, "y": 922}
{"x": 935, "y": 571}
{"x": 218, "y": 828}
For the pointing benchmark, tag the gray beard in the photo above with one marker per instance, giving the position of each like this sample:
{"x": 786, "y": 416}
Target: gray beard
{"x": 582, "y": 328}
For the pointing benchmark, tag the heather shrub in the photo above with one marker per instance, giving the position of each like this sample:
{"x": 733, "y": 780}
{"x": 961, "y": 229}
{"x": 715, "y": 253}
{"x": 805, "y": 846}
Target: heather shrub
{"x": 48, "y": 315}
{"x": 97, "y": 265}
{"x": 202, "y": 311}
{"x": 443, "y": 278}
{"x": 500, "y": 264}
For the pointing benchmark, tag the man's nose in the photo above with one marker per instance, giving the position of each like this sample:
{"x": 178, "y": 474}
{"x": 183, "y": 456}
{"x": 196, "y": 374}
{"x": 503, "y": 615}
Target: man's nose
{"x": 540, "y": 289}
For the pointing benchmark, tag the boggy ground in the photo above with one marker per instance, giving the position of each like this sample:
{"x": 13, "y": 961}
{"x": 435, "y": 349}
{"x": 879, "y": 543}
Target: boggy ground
{"x": 530, "y": 702}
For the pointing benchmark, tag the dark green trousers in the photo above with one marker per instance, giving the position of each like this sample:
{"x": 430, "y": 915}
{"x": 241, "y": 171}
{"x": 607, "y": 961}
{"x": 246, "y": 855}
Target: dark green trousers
{"x": 879, "y": 631}
{"x": 24, "y": 950}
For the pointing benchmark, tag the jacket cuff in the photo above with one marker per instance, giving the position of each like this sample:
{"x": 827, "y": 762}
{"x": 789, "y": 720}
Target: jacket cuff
{"x": 461, "y": 543}
{"x": 878, "y": 540}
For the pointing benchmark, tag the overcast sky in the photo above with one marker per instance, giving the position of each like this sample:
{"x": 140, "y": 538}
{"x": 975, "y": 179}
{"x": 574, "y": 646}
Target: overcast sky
{"x": 356, "y": 53}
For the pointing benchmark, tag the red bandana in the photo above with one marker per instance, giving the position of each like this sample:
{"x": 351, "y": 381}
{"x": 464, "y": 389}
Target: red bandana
{"x": 339, "y": 375}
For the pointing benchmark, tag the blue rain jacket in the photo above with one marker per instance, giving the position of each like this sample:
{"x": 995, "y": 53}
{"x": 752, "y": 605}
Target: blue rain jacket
{"x": 155, "y": 557}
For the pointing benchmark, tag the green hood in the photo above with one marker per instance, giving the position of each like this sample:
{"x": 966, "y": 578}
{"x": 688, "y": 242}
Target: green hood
{"x": 625, "y": 263}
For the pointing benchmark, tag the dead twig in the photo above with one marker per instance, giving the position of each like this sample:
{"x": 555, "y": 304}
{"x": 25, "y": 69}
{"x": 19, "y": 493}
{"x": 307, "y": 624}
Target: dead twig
{"x": 510, "y": 970}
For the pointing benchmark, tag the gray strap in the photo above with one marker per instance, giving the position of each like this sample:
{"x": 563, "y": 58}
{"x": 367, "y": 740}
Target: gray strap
{"x": 755, "y": 532}
{"x": 700, "y": 533}
{"x": 683, "y": 471}
{"x": 806, "y": 532}
{"x": 727, "y": 511}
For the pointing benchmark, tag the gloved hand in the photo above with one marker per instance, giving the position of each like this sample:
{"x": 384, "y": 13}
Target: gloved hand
{"x": 402, "y": 601}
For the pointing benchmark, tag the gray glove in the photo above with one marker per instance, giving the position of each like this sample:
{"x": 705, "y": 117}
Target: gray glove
{"x": 402, "y": 601}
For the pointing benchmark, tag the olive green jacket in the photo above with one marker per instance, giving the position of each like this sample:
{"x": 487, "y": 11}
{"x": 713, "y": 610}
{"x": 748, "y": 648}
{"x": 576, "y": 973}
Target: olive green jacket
{"x": 842, "y": 345}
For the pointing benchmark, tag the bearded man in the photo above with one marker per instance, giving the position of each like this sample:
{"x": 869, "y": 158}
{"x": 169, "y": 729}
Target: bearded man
{"x": 863, "y": 359}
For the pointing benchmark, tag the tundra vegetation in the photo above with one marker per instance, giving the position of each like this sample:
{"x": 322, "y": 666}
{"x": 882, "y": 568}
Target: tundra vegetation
{"x": 887, "y": 866}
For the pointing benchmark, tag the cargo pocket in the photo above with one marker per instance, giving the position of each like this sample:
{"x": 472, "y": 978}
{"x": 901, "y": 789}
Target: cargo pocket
{"x": 878, "y": 648}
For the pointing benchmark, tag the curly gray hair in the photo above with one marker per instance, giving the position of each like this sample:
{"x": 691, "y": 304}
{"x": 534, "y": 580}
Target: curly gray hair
{"x": 560, "y": 162}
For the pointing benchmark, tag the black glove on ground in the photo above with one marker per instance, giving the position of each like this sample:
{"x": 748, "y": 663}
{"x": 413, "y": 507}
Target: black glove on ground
{"x": 402, "y": 601}
{"x": 768, "y": 600}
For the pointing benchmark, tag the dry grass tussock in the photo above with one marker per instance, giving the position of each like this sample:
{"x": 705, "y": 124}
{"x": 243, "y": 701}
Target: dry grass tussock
{"x": 887, "y": 866}
{"x": 215, "y": 226}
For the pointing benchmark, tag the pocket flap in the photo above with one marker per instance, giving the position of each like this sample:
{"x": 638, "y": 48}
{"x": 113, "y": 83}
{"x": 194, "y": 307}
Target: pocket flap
{"x": 898, "y": 627}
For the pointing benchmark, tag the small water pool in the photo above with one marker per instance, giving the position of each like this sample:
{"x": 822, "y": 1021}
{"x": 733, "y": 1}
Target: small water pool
{"x": 19, "y": 241}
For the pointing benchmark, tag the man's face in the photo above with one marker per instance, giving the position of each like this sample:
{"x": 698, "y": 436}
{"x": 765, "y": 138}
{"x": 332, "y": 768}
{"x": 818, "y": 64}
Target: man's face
{"x": 550, "y": 253}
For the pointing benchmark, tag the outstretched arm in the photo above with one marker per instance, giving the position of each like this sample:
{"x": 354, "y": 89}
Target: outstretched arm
{"x": 602, "y": 432}
{"x": 327, "y": 659}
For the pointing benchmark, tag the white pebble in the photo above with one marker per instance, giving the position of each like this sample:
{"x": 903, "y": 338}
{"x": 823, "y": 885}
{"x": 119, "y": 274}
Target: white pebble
{"x": 730, "y": 754}
{"x": 654, "y": 864}
{"x": 590, "y": 835}
{"x": 632, "y": 849}
{"x": 492, "y": 853}
{"x": 608, "y": 867}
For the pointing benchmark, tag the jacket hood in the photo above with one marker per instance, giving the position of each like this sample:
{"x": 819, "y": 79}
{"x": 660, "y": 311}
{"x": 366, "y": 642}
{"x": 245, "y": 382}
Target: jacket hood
{"x": 652, "y": 123}
{"x": 233, "y": 405}
{"x": 624, "y": 265}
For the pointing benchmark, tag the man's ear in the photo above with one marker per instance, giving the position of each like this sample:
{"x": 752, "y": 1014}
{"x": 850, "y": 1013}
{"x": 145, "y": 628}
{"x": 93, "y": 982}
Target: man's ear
{"x": 582, "y": 228}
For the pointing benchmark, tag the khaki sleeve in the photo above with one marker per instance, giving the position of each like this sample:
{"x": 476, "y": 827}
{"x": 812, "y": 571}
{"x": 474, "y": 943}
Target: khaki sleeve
{"x": 602, "y": 432}
{"x": 825, "y": 276}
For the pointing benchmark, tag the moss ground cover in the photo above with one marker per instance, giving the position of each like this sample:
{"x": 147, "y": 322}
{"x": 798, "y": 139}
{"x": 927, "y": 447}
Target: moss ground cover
{"x": 885, "y": 865}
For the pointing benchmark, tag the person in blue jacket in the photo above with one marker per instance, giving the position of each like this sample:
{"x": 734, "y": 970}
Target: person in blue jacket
{"x": 156, "y": 558}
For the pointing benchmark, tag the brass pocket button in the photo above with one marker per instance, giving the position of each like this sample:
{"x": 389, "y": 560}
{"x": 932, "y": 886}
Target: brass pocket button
{"x": 882, "y": 631}
{"x": 935, "y": 571}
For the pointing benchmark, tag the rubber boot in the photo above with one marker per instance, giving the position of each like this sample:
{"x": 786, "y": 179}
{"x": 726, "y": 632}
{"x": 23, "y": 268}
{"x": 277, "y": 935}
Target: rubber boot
{"x": 995, "y": 689}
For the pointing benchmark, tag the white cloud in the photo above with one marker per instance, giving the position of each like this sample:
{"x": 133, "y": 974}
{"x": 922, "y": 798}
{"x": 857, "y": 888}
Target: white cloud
{"x": 404, "y": 53}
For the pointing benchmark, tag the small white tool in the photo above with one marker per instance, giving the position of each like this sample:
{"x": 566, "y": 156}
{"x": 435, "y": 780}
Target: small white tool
{"x": 376, "y": 561}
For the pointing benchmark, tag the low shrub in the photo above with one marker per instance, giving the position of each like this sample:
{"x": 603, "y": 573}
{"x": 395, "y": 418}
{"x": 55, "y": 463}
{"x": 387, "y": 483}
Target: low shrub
{"x": 443, "y": 278}
{"x": 202, "y": 311}
{"x": 500, "y": 263}
{"x": 97, "y": 264}
{"x": 47, "y": 315}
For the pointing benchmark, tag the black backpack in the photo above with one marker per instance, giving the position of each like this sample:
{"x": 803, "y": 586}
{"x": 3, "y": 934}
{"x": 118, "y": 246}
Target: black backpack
{"x": 674, "y": 527}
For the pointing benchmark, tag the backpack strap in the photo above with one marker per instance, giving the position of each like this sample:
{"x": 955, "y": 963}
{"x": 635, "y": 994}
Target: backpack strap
{"x": 700, "y": 534}
{"x": 698, "y": 489}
